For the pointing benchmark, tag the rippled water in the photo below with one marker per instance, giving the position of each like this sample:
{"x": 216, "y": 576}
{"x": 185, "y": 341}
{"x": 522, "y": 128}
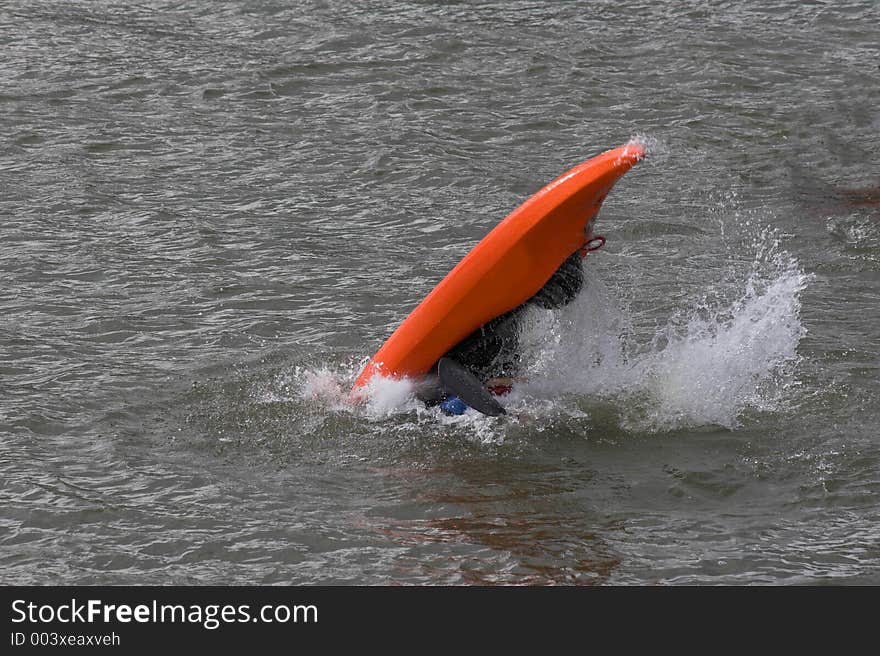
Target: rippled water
{"x": 214, "y": 213}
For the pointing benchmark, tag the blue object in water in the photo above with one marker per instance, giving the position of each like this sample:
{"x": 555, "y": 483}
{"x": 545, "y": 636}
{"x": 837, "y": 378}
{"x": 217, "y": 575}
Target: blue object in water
{"x": 452, "y": 405}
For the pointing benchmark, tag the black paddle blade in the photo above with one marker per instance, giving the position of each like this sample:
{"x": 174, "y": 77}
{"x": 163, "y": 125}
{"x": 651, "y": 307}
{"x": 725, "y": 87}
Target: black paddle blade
{"x": 461, "y": 382}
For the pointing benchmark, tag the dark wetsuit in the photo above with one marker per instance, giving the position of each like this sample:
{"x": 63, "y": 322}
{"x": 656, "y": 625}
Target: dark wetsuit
{"x": 492, "y": 350}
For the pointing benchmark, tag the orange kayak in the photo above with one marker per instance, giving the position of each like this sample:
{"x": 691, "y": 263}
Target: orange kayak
{"x": 509, "y": 266}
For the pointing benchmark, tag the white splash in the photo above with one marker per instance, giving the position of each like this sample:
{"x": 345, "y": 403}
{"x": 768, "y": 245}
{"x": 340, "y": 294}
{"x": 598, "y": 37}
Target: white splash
{"x": 389, "y": 396}
{"x": 706, "y": 366}
{"x": 652, "y": 146}
{"x": 382, "y": 397}
{"x": 722, "y": 361}
{"x": 321, "y": 385}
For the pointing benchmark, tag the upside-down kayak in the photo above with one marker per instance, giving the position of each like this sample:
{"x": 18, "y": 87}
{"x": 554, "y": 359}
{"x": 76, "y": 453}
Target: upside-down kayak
{"x": 505, "y": 269}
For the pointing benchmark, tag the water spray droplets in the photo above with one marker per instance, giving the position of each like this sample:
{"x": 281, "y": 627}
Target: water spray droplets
{"x": 708, "y": 364}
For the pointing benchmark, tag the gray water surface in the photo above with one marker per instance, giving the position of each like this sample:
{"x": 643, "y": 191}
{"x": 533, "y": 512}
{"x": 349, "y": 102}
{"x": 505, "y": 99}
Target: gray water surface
{"x": 214, "y": 213}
